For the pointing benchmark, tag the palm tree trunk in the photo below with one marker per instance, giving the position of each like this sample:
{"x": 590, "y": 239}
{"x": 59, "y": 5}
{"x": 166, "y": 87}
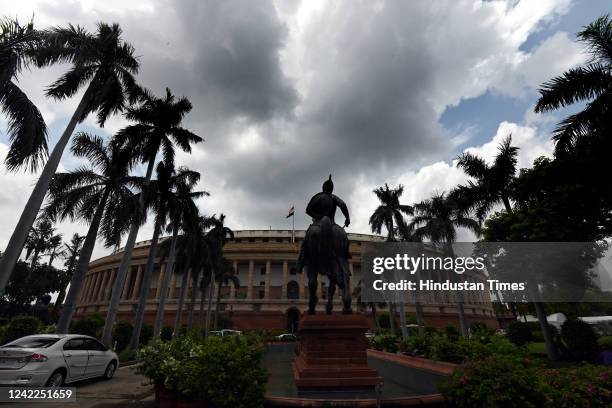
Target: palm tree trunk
{"x": 462, "y": 322}
{"x": 551, "y": 347}
{"x": 144, "y": 288}
{"x": 419, "y": 316}
{"x": 60, "y": 298}
{"x": 391, "y": 318}
{"x": 217, "y": 305}
{"x": 125, "y": 263}
{"x": 194, "y": 295}
{"x": 403, "y": 329}
{"x": 201, "y": 317}
{"x": 30, "y": 211}
{"x": 81, "y": 269}
{"x": 181, "y": 303}
{"x": 159, "y": 317}
{"x": 375, "y": 318}
{"x": 506, "y": 202}
{"x": 209, "y": 307}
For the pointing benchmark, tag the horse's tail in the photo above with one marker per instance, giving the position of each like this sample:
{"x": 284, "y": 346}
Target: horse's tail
{"x": 326, "y": 241}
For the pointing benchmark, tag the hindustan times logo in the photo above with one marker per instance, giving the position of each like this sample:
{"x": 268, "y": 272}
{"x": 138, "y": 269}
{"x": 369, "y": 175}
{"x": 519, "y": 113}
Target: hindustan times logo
{"x": 411, "y": 264}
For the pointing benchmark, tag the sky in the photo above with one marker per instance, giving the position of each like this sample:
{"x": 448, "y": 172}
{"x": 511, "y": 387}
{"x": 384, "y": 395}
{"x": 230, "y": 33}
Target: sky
{"x": 286, "y": 92}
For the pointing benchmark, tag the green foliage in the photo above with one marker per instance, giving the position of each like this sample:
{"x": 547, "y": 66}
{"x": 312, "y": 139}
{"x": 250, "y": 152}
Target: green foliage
{"x": 127, "y": 355}
{"x": 88, "y": 325}
{"x": 452, "y": 333}
{"x": 443, "y": 349}
{"x": 519, "y": 333}
{"x": 580, "y": 339}
{"x": 419, "y": 345}
{"x": 225, "y": 372}
{"x": 146, "y": 334}
{"x": 481, "y": 330}
{"x": 385, "y": 342}
{"x": 21, "y": 326}
{"x": 584, "y": 386}
{"x": 605, "y": 343}
{"x": 122, "y": 333}
{"x": 383, "y": 320}
{"x": 28, "y": 284}
{"x": 166, "y": 333}
{"x": 503, "y": 381}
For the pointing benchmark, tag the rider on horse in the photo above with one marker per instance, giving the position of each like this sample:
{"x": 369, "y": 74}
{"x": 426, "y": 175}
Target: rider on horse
{"x": 326, "y": 247}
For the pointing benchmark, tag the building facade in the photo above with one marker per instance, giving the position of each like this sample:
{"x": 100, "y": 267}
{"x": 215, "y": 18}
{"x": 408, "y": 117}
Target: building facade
{"x": 272, "y": 295}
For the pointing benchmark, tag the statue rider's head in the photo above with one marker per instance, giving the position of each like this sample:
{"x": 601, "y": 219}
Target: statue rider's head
{"x": 328, "y": 186}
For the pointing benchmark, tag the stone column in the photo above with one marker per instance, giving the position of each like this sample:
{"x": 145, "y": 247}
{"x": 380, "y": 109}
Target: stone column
{"x": 172, "y": 286}
{"x": 285, "y": 278}
{"x": 232, "y": 288}
{"x": 250, "y": 280}
{"x": 267, "y": 280}
{"x": 103, "y": 282}
{"x": 126, "y": 285}
{"x": 136, "y": 292}
{"x": 92, "y": 281}
{"x": 95, "y": 287}
{"x": 160, "y": 280}
{"x": 84, "y": 289}
{"x": 109, "y": 285}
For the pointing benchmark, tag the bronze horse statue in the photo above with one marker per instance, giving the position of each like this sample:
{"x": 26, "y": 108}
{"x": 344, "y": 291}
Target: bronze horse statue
{"x": 325, "y": 250}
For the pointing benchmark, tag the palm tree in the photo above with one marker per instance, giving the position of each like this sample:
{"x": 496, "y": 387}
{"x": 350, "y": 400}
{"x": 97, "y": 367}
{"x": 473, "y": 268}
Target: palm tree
{"x": 493, "y": 182}
{"x": 54, "y": 248}
{"x": 97, "y": 194}
{"x": 181, "y": 209}
{"x": 37, "y": 242}
{"x": 226, "y": 275}
{"x": 159, "y": 193}
{"x": 390, "y": 213}
{"x": 71, "y": 254}
{"x": 107, "y": 64}
{"x": 438, "y": 218}
{"x": 206, "y": 289}
{"x": 220, "y": 234}
{"x": 591, "y": 83}
{"x": 158, "y": 127}
{"x": 26, "y": 127}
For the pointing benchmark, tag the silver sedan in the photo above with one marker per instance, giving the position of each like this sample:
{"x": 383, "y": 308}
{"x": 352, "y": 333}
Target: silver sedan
{"x": 52, "y": 360}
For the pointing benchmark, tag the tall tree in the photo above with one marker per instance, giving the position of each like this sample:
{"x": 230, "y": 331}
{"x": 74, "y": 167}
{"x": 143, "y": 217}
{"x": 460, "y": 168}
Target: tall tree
{"x": 71, "y": 253}
{"x": 438, "y": 218}
{"x": 38, "y": 240}
{"x": 99, "y": 194}
{"x": 26, "y": 127}
{"x": 220, "y": 234}
{"x": 225, "y": 276}
{"x": 106, "y": 64}
{"x": 390, "y": 213}
{"x": 54, "y": 248}
{"x": 158, "y": 127}
{"x": 591, "y": 83}
{"x": 181, "y": 208}
{"x": 492, "y": 183}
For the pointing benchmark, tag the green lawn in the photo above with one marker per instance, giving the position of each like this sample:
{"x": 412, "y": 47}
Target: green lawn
{"x": 537, "y": 348}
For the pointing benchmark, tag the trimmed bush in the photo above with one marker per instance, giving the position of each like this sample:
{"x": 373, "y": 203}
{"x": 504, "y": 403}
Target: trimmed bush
{"x": 122, "y": 333}
{"x": 580, "y": 339}
{"x": 497, "y": 381}
{"x": 452, "y": 333}
{"x": 443, "y": 349}
{"x": 223, "y": 372}
{"x": 89, "y": 325}
{"x": 584, "y": 386}
{"x": 146, "y": 334}
{"x": 21, "y": 326}
{"x": 519, "y": 333}
{"x": 385, "y": 342}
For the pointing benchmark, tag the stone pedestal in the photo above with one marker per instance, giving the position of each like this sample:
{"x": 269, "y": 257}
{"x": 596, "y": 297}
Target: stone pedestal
{"x": 331, "y": 354}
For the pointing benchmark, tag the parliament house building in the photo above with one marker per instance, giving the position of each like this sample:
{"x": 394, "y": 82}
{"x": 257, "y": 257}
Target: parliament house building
{"x": 272, "y": 295}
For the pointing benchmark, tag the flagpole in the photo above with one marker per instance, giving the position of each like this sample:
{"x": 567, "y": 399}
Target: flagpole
{"x": 293, "y": 226}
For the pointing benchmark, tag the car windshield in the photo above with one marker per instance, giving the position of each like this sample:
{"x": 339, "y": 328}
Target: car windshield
{"x": 32, "y": 342}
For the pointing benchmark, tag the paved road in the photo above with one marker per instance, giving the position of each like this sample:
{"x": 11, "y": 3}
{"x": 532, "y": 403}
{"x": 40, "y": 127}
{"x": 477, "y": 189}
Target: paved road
{"x": 126, "y": 389}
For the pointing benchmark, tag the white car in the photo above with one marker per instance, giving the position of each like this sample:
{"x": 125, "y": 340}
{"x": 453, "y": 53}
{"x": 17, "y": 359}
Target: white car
{"x": 52, "y": 360}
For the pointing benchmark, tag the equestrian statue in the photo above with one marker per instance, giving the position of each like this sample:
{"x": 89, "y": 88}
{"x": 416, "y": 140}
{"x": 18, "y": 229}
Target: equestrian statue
{"x": 325, "y": 250}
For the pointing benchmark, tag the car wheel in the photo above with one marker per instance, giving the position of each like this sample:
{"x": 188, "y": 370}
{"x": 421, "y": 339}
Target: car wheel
{"x": 56, "y": 380}
{"x": 110, "y": 370}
